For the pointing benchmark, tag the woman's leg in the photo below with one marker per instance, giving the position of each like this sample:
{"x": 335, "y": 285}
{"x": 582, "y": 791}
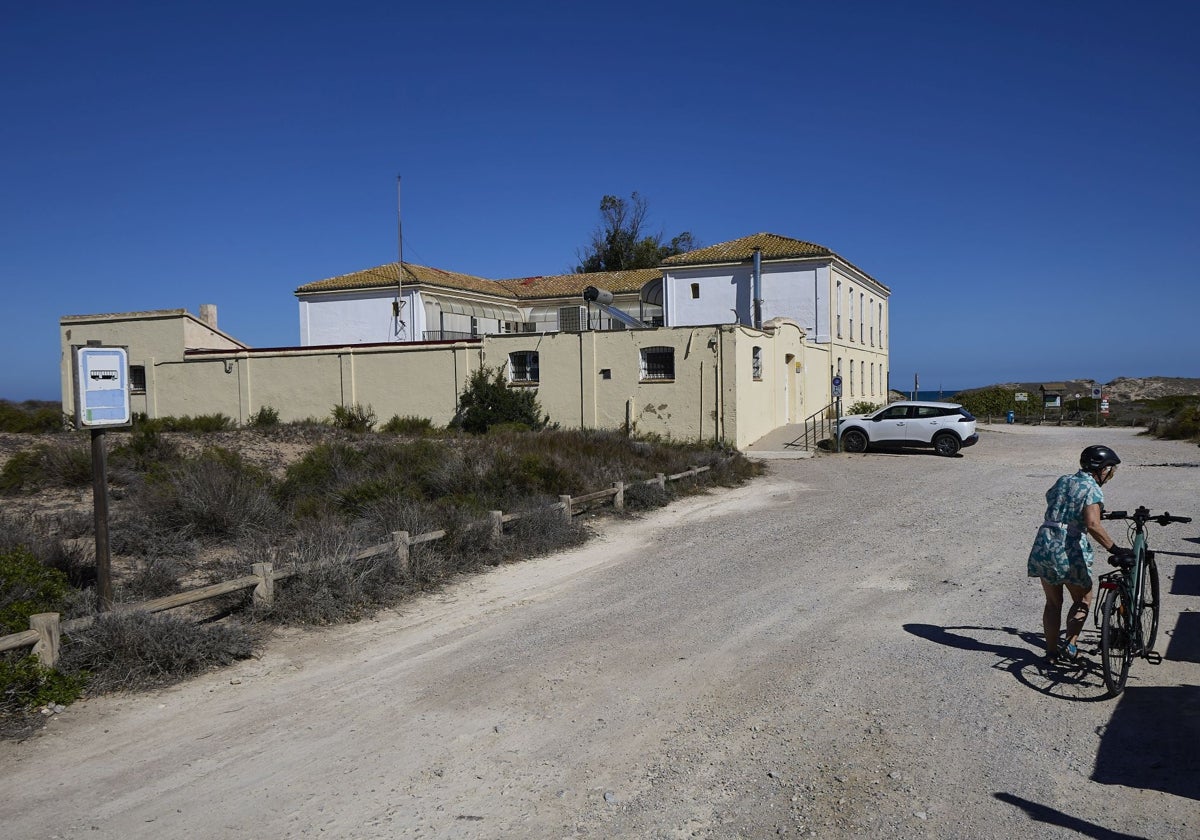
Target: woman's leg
{"x": 1052, "y": 614}
{"x": 1081, "y": 602}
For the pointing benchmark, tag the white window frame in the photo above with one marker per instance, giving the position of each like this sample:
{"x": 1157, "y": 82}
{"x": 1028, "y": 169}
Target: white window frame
{"x": 527, "y": 372}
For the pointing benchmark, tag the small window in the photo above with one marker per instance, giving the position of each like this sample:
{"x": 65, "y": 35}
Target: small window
{"x": 523, "y": 366}
{"x": 756, "y": 363}
{"x": 695, "y": 291}
{"x": 606, "y": 373}
{"x": 137, "y": 378}
{"x": 658, "y": 363}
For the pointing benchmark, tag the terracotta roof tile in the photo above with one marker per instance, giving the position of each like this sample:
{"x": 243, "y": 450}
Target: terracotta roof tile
{"x": 772, "y": 245}
{"x": 560, "y": 285}
{"x": 385, "y": 276}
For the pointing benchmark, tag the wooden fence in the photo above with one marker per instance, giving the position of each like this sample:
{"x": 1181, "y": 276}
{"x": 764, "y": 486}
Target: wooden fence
{"x": 46, "y": 629}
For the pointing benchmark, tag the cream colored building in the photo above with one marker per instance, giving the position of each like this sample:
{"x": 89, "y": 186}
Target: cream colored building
{"x": 723, "y": 368}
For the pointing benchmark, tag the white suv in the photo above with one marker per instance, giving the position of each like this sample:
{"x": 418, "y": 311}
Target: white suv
{"x": 947, "y": 427}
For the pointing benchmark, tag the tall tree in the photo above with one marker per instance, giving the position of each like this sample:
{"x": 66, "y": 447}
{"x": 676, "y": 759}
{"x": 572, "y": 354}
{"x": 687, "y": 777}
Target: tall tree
{"x": 621, "y": 242}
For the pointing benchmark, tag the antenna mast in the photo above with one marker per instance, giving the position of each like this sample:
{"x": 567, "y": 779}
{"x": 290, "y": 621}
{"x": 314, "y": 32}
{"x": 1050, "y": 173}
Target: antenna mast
{"x": 398, "y": 304}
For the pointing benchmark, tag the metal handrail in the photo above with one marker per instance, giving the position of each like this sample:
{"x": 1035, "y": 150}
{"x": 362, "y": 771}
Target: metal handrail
{"x": 819, "y": 426}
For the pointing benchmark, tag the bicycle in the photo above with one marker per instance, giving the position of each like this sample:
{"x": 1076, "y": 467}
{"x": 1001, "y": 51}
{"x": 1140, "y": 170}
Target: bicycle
{"x": 1127, "y": 609}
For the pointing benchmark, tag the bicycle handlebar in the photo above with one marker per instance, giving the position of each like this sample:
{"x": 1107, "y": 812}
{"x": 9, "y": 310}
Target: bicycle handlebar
{"x": 1142, "y": 516}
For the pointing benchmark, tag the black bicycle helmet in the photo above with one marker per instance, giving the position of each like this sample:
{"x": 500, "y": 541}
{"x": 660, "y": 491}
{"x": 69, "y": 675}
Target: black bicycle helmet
{"x": 1097, "y": 457}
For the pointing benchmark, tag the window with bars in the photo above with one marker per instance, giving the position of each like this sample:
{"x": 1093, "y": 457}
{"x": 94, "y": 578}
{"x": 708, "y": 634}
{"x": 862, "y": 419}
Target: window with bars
{"x": 137, "y": 378}
{"x": 658, "y": 363}
{"x": 756, "y": 363}
{"x": 523, "y": 366}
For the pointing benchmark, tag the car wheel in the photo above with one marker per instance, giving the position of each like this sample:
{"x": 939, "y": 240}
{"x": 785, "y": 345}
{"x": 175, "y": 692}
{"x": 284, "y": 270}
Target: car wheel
{"x": 947, "y": 444}
{"x": 854, "y": 441}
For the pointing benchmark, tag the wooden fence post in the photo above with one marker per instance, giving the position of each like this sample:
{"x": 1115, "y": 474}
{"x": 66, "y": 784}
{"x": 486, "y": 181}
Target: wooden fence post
{"x": 497, "y": 519}
{"x": 661, "y": 478}
{"x": 264, "y": 593}
{"x": 401, "y": 542}
{"x": 566, "y": 503}
{"x": 49, "y": 631}
{"x": 619, "y": 496}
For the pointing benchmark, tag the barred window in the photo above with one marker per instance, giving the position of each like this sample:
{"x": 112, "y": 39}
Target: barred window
{"x": 137, "y": 378}
{"x": 523, "y": 366}
{"x": 658, "y": 363}
{"x": 756, "y": 363}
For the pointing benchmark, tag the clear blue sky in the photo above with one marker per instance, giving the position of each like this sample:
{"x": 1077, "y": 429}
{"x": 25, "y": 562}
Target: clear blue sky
{"x": 1023, "y": 175}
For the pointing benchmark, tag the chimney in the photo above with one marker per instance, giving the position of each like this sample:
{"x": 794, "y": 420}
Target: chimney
{"x": 208, "y": 314}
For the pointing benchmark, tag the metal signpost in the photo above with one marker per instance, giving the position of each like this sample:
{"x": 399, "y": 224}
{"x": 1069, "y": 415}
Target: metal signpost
{"x": 837, "y": 411}
{"x": 101, "y": 402}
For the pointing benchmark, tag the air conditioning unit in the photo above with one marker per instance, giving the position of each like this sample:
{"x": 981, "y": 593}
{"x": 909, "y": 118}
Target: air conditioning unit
{"x": 572, "y": 318}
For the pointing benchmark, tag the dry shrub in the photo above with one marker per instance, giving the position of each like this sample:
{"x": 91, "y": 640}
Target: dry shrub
{"x": 152, "y": 577}
{"x": 126, "y": 651}
{"x": 214, "y": 495}
{"x": 53, "y": 543}
{"x": 643, "y": 496}
{"x": 61, "y": 461}
{"x": 332, "y": 585}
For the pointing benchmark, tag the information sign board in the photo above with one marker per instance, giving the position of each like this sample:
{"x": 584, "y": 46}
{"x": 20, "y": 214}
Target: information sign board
{"x": 1021, "y": 396}
{"x": 102, "y": 387}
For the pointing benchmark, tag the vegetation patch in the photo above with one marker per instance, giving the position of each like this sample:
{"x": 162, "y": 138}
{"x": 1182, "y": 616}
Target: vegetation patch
{"x": 126, "y": 651}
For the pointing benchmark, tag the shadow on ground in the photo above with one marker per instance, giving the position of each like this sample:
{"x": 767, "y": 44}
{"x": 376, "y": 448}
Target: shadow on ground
{"x": 1046, "y": 814}
{"x": 1151, "y": 741}
{"x": 1081, "y": 683}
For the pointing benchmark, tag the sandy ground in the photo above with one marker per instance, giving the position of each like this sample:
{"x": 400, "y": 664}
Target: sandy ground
{"x": 848, "y": 647}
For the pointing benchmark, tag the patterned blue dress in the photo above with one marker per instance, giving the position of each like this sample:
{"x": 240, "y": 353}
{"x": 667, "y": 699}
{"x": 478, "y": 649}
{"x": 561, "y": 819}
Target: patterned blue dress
{"x": 1061, "y": 552}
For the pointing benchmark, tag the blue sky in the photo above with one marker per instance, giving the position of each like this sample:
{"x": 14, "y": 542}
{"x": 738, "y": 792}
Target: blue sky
{"x": 1022, "y": 175}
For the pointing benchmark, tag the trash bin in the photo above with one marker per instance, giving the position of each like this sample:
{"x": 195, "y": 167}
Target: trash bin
{"x": 1012, "y": 416}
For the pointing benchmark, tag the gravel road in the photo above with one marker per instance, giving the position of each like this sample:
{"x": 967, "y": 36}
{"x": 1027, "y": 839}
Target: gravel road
{"x": 848, "y": 647}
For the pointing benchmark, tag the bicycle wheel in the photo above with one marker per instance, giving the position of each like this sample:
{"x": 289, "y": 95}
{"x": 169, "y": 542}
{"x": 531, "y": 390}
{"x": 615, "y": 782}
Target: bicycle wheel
{"x": 1116, "y": 650}
{"x": 1148, "y": 605}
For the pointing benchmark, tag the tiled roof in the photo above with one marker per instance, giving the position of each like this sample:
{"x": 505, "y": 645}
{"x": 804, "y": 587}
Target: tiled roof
{"x": 773, "y": 247}
{"x": 385, "y": 276}
{"x": 560, "y": 285}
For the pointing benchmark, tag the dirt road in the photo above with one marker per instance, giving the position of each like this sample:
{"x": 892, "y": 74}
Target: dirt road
{"x": 846, "y": 648}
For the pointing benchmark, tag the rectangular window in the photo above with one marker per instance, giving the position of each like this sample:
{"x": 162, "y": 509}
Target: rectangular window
{"x": 756, "y": 363}
{"x": 523, "y": 366}
{"x": 658, "y": 363}
{"x": 861, "y": 319}
{"x": 852, "y": 313}
{"x": 839, "y": 309}
{"x": 881, "y": 325}
{"x": 850, "y": 390}
{"x": 871, "y": 309}
{"x": 695, "y": 291}
{"x": 137, "y": 378}
{"x": 872, "y": 379}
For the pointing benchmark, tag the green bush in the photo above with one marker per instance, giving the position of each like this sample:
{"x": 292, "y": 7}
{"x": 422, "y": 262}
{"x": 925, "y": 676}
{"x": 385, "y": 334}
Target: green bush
{"x": 199, "y": 424}
{"x": 487, "y": 401}
{"x": 411, "y": 426}
{"x": 27, "y": 588}
{"x": 144, "y": 448}
{"x": 862, "y": 408}
{"x": 30, "y": 417}
{"x": 63, "y": 462}
{"x": 25, "y": 685}
{"x": 988, "y": 402}
{"x": 265, "y": 417}
{"x": 354, "y": 418}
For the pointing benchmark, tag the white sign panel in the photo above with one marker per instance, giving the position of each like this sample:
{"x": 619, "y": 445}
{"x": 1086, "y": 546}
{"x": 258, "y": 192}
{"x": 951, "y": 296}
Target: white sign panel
{"x": 1021, "y": 396}
{"x": 102, "y": 386}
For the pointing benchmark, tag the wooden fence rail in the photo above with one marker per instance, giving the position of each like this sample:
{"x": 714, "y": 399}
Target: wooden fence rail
{"x": 45, "y": 629}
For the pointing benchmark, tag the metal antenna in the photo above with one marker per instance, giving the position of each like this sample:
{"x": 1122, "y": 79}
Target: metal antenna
{"x": 399, "y": 302}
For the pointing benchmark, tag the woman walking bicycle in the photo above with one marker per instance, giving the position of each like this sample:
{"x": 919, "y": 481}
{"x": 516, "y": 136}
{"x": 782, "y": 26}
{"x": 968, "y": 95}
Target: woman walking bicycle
{"x": 1062, "y": 555}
